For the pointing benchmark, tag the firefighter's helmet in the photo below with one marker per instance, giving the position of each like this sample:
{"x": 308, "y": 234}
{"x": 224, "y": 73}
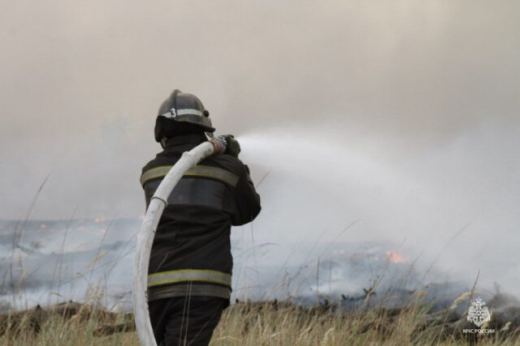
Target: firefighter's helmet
{"x": 181, "y": 112}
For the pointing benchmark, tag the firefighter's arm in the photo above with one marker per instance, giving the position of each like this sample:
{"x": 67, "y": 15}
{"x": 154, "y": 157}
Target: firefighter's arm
{"x": 247, "y": 200}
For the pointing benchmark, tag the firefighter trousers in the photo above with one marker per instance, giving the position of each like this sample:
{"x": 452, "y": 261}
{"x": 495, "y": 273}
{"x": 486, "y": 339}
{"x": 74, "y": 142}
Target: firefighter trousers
{"x": 185, "y": 321}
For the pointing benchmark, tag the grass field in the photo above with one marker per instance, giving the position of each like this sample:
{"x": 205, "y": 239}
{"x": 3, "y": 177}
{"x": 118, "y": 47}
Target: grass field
{"x": 269, "y": 323}
{"x": 262, "y": 324}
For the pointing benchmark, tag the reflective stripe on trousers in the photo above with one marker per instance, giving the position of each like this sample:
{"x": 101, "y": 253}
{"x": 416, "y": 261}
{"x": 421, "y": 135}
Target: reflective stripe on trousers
{"x": 183, "y": 275}
{"x": 188, "y": 290}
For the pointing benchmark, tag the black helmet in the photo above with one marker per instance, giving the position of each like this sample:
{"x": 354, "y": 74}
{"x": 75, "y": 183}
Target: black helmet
{"x": 180, "y": 113}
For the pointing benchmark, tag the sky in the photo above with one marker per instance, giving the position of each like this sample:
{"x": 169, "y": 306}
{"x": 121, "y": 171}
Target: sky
{"x": 402, "y": 116}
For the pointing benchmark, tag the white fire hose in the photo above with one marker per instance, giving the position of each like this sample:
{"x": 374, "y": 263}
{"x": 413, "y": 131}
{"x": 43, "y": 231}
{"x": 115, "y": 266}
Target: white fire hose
{"x": 147, "y": 233}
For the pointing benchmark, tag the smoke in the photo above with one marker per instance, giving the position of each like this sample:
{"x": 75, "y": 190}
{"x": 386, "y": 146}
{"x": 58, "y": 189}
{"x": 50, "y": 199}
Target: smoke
{"x": 400, "y": 115}
{"x": 71, "y": 261}
{"x": 447, "y": 209}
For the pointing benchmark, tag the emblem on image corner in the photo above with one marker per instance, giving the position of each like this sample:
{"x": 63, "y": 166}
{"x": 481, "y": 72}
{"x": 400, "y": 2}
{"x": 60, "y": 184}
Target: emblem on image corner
{"x": 478, "y": 313}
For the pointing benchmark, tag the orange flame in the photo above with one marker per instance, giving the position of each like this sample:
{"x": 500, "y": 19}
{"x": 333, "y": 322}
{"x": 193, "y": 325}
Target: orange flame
{"x": 394, "y": 257}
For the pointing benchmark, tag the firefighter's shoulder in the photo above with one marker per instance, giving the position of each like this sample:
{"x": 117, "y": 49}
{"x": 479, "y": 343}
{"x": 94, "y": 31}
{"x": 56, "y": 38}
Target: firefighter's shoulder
{"x": 227, "y": 162}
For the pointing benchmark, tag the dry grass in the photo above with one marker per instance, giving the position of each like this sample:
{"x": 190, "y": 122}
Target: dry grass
{"x": 71, "y": 324}
{"x": 255, "y": 325}
{"x": 268, "y": 324}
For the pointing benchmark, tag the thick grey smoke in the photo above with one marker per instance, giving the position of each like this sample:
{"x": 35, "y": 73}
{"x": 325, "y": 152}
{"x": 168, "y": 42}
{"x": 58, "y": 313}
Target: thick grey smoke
{"x": 403, "y": 115}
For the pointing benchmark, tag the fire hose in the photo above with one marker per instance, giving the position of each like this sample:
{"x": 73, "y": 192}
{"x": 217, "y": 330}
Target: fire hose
{"x": 147, "y": 233}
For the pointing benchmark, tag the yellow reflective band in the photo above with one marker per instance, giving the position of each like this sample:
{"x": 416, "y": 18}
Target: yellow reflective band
{"x": 183, "y": 275}
{"x": 158, "y": 172}
{"x": 188, "y": 289}
{"x": 198, "y": 171}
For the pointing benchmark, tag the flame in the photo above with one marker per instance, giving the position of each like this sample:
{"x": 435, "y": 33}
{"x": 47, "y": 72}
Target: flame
{"x": 43, "y": 226}
{"x": 394, "y": 257}
{"x": 99, "y": 219}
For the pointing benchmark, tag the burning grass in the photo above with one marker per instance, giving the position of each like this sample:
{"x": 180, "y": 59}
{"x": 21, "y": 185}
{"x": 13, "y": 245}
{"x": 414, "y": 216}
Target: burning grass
{"x": 270, "y": 323}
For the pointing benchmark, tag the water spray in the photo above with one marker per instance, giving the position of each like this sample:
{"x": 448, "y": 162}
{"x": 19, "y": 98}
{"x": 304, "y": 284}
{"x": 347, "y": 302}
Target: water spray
{"x": 147, "y": 233}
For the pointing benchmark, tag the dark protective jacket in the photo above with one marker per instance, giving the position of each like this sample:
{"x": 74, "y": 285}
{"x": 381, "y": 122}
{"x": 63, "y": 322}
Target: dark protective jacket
{"x": 191, "y": 252}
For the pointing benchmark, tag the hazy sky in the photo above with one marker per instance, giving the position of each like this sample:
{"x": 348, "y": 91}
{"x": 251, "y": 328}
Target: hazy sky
{"x": 401, "y": 114}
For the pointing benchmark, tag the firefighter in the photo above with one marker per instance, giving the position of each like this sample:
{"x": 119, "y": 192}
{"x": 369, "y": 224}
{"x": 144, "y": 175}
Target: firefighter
{"x": 189, "y": 277}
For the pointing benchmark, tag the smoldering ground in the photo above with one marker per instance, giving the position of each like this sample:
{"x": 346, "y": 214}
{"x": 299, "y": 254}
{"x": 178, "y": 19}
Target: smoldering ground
{"x": 36, "y": 271}
{"x": 402, "y": 116}
{"x": 61, "y": 260}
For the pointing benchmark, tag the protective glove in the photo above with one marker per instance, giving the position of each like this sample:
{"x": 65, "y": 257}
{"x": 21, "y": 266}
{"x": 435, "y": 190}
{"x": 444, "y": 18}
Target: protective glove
{"x": 220, "y": 145}
{"x": 232, "y": 147}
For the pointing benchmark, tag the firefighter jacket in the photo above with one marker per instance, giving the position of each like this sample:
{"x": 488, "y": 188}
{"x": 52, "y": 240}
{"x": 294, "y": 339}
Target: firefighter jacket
{"x": 191, "y": 252}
